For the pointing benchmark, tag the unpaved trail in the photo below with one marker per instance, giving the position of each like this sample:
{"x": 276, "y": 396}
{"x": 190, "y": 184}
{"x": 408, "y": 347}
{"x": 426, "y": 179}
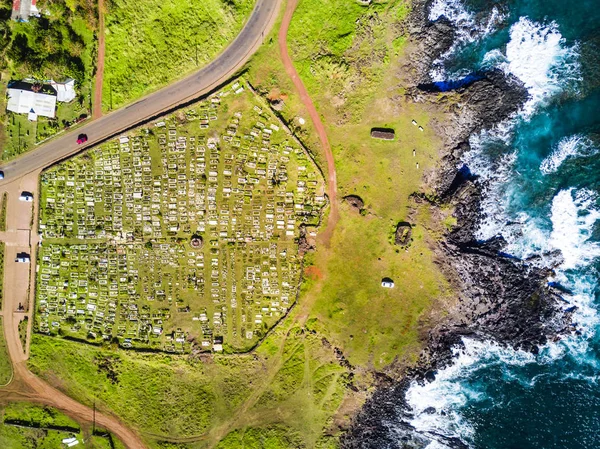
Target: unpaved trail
{"x": 315, "y": 118}
{"x": 97, "y": 103}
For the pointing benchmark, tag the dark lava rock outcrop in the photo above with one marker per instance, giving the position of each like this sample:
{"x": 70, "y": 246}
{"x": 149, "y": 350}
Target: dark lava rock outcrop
{"x": 500, "y": 298}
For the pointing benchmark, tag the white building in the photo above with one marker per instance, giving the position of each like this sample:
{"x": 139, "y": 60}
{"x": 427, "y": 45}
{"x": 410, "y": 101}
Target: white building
{"x": 65, "y": 91}
{"x": 24, "y": 101}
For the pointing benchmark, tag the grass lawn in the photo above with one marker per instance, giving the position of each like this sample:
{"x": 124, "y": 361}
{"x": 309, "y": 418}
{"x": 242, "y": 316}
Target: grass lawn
{"x": 347, "y": 55}
{"x": 3, "y": 211}
{"x": 58, "y": 45}
{"x": 2, "y": 248}
{"x": 29, "y": 426}
{"x": 288, "y": 389}
{"x": 151, "y": 43}
{"x": 5, "y": 366}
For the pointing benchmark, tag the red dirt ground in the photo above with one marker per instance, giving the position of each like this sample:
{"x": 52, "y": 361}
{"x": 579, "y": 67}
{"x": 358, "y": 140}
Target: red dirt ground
{"x": 314, "y": 116}
{"x": 97, "y": 103}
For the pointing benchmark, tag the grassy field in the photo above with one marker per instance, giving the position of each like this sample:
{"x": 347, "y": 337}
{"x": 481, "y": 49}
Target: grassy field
{"x": 2, "y": 248}
{"x": 347, "y": 56}
{"x": 152, "y": 43}
{"x": 5, "y": 366}
{"x": 3, "y": 211}
{"x": 292, "y": 392}
{"x": 29, "y": 426}
{"x": 289, "y": 389}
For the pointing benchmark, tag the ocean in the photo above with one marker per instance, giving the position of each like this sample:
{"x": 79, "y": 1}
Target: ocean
{"x": 542, "y": 194}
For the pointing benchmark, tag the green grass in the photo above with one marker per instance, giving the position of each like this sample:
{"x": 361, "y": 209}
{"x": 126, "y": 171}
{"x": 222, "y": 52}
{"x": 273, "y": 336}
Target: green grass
{"x": 347, "y": 57}
{"x": 347, "y": 45}
{"x": 58, "y": 45}
{"x": 36, "y": 416}
{"x": 29, "y": 426}
{"x": 152, "y": 43}
{"x": 293, "y": 382}
{"x": 2, "y": 251}
{"x": 5, "y": 365}
{"x": 3, "y": 211}
{"x": 23, "y": 332}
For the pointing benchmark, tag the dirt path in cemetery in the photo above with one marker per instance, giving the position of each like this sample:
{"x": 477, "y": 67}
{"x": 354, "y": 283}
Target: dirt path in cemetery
{"x": 97, "y": 102}
{"x": 326, "y": 234}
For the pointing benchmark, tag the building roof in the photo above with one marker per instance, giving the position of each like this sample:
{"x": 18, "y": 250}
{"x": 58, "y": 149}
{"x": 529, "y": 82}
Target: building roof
{"x": 23, "y": 100}
{"x": 65, "y": 91}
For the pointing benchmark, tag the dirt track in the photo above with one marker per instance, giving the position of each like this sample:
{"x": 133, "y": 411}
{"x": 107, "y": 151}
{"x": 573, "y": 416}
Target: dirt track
{"x": 19, "y": 283}
{"x": 23, "y": 174}
{"x": 315, "y": 118}
{"x": 97, "y": 102}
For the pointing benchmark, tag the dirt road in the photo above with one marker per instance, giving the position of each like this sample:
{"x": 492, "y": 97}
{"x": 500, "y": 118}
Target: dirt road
{"x": 97, "y": 102}
{"x": 21, "y": 227}
{"x": 18, "y": 303}
{"x": 315, "y": 118}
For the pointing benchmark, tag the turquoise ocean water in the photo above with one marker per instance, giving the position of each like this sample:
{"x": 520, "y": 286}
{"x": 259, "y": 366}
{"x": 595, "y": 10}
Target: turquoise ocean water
{"x": 542, "y": 173}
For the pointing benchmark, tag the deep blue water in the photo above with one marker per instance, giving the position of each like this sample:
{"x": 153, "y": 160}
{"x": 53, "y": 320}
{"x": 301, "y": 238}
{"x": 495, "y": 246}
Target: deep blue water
{"x": 544, "y": 172}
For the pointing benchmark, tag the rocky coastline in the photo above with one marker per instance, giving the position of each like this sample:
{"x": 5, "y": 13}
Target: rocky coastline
{"x": 500, "y": 298}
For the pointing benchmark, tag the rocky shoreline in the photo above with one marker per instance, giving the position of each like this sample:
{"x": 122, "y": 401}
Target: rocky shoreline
{"x": 500, "y": 298}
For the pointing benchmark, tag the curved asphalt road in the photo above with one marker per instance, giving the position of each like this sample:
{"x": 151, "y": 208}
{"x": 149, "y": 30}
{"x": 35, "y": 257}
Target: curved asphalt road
{"x": 219, "y": 70}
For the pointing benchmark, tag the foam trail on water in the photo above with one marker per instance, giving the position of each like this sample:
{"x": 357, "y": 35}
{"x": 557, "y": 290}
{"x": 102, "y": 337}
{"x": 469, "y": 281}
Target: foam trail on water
{"x": 539, "y": 56}
{"x": 436, "y": 405}
{"x": 568, "y": 148}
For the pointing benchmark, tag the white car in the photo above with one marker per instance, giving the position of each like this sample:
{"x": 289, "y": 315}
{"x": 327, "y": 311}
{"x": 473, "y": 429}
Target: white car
{"x": 23, "y": 258}
{"x": 387, "y": 283}
{"x": 26, "y": 196}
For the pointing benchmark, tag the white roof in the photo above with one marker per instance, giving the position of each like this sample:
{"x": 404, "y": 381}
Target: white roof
{"x": 65, "y": 91}
{"x": 27, "y": 102}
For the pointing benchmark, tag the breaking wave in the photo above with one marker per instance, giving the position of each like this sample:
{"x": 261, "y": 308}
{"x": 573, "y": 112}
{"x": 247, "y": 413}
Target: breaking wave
{"x": 568, "y": 148}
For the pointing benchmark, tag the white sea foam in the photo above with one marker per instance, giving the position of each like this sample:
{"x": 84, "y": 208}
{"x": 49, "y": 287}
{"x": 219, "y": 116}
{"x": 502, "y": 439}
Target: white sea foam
{"x": 573, "y": 216}
{"x": 446, "y": 394}
{"x": 569, "y": 147}
{"x": 539, "y": 56}
{"x": 467, "y": 30}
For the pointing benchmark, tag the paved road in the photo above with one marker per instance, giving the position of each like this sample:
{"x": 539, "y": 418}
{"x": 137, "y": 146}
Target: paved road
{"x": 188, "y": 89}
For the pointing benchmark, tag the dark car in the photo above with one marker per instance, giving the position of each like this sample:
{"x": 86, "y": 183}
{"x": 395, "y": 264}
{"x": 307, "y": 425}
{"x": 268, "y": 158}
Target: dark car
{"x": 81, "y": 139}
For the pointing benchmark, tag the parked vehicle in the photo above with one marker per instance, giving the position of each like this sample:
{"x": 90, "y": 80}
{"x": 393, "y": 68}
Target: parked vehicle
{"x": 387, "y": 283}
{"x": 23, "y": 258}
{"x": 26, "y": 196}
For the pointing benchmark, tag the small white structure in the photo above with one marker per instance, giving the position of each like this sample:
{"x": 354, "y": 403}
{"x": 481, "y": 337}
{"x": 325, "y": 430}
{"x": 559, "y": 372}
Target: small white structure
{"x": 65, "y": 91}
{"x": 23, "y": 101}
{"x": 387, "y": 283}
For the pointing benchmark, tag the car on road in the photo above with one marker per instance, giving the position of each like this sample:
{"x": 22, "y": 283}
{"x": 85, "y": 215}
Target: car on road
{"x": 23, "y": 258}
{"x": 82, "y": 138}
{"x": 1, "y": 174}
{"x": 26, "y": 196}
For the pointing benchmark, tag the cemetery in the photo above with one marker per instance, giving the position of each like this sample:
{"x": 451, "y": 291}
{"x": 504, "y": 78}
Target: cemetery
{"x": 179, "y": 236}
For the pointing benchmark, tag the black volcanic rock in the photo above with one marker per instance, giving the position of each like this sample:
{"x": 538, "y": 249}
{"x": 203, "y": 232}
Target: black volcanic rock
{"x": 500, "y": 298}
